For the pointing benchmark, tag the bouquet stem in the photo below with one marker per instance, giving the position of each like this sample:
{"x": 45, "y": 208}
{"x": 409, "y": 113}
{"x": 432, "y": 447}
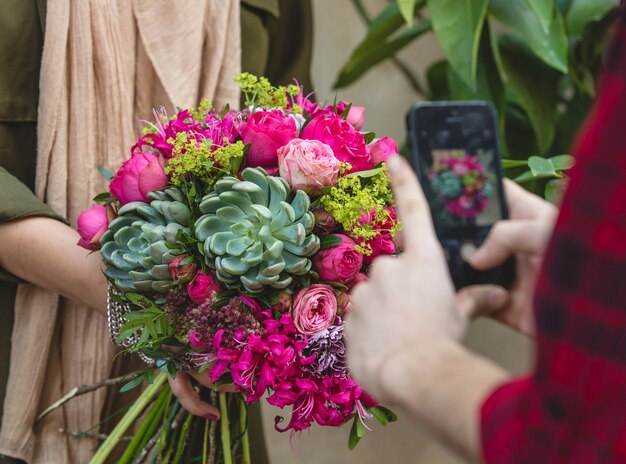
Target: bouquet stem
{"x": 131, "y": 415}
{"x": 245, "y": 439}
{"x": 225, "y": 429}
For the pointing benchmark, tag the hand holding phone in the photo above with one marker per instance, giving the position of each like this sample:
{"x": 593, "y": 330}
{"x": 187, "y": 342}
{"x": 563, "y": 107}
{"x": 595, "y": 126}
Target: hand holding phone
{"x": 454, "y": 151}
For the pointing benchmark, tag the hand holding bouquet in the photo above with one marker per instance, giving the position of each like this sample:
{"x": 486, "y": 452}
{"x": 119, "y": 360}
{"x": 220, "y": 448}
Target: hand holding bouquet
{"x": 236, "y": 238}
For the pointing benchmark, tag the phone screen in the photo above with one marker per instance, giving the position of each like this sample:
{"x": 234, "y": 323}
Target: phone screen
{"x": 459, "y": 167}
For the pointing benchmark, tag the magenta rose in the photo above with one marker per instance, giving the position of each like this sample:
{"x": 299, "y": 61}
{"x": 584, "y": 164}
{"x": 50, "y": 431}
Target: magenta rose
{"x": 382, "y": 149}
{"x": 356, "y": 115}
{"x": 381, "y": 244}
{"x": 181, "y": 272}
{"x": 203, "y": 288}
{"x": 360, "y": 277}
{"x": 140, "y": 174}
{"x": 92, "y": 224}
{"x": 314, "y": 309}
{"x": 347, "y": 143}
{"x": 308, "y": 165}
{"x": 266, "y": 132}
{"x": 340, "y": 263}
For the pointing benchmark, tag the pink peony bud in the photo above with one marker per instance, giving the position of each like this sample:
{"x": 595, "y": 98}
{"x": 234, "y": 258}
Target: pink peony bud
{"x": 325, "y": 223}
{"x": 284, "y": 302}
{"x": 140, "y": 174}
{"x": 314, "y": 309}
{"x": 340, "y": 263}
{"x": 382, "y": 149}
{"x": 356, "y": 115}
{"x": 308, "y": 165}
{"x": 181, "y": 273}
{"x": 92, "y": 224}
{"x": 203, "y": 288}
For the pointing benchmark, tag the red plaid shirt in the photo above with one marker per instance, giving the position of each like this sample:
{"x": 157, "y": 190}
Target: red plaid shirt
{"x": 572, "y": 409}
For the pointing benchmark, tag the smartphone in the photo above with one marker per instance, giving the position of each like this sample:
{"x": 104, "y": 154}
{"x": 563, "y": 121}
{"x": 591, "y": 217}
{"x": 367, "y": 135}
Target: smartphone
{"x": 454, "y": 152}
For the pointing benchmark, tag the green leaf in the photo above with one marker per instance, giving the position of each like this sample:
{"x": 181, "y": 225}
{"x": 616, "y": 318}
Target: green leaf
{"x": 354, "y": 438}
{"x": 407, "y": 9}
{"x": 152, "y": 329}
{"x": 346, "y": 111}
{"x": 437, "y": 79}
{"x": 132, "y": 384}
{"x": 562, "y": 162}
{"x": 551, "y": 46}
{"x": 555, "y": 190}
{"x": 329, "y": 241}
{"x": 108, "y": 175}
{"x": 379, "y": 415}
{"x": 141, "y": 301}
{"x": 541, "y": 167}
{"x": 509, "y": 163}
{"x": 128, "y": 329}
{"x": 543, "y": 10}
{"x": 369, "y": 137}
{"x": 534, "y": 85}
{"x": 458, "y": 25}
{"x": 582, "y": 12}
{"x": 391, "y": 416}
{"x": 362, "y": 60}
{"x": 366, "y": 174}
{"x": 104, "y": 197}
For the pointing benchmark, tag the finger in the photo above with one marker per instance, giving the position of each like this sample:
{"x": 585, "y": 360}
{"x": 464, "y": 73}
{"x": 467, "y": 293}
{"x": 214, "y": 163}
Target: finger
{"x": 411, "y": 206}
{"x": 507, "y": 238}
{"x": 204, "y": 380}
{"x": 523, "y": 204}
{"x": 190, "y": 399}
{"x": 481, "y": 300}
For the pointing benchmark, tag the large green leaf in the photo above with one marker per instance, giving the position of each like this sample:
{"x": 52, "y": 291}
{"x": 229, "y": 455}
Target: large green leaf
{"x": 362, "y": 60}
{"x": 551, "y": 46}
{"x": 543, "y": 10}
{"x": 437, "y": 78}
{"x": 535, "y": 86}
{"x": 582, "y": 12}
{"x": 458, "y": 24}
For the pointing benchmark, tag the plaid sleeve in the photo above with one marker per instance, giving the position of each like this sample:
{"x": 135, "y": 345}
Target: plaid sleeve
{"x": 572, "y": 409}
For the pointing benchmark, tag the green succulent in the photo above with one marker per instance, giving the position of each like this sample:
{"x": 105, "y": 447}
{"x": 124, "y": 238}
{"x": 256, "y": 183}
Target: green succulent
{"x": 448, "y": 184}
{"x": 255, "y": 232}
{"x": 141, "y": 241}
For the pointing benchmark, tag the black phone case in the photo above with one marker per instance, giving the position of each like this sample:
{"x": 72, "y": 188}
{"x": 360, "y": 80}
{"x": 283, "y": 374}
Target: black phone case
{"x": 462, "y": 273}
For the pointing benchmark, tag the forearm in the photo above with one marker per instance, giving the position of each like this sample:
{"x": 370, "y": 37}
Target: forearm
{"x": 43, "y": 251}
{"x": 444, "y": 387}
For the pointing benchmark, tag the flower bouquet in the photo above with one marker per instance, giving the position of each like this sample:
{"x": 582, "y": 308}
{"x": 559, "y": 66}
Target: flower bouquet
{"x": 231, "y": 241}
{"x": 462, "y": 184}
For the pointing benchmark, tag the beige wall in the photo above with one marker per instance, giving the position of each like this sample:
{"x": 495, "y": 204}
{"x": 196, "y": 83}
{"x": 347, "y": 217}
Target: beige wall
{"x": 387, "y": 97}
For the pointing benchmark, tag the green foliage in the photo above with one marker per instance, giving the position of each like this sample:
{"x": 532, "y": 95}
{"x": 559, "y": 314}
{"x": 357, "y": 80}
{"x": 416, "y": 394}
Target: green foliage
{"x": 259, "y": 92}
{"x": 539, "y": 71}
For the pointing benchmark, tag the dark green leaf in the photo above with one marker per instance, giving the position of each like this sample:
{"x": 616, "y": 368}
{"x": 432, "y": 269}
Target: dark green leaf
{"x": 541, "y": 167}
{"x": 346, "y": 111}
{"x": 437, "y": 79}
{"x": 543, "y": 10}
{"x": 152, "y": 329}
{"x": 188, "y": 260}
{"x": 508, "y": 163}
{"x": 141, "y": 301}
{"x": 128, "y": 329}
{"x": 582, "y": 12}
{"x": 104, "y": 197}
{"x": 108, "y": 175}
{"x": 132, "y": 384}
{"x": 329, "y": 241}
{"x": 534, "y": 85}
{"x": 361, "y": 62}
{"x": 391, "y": 416}
{"x": 550, "y": 46}
{"x": 369, "y": 137}
{"x": 379, "y": 415}
{"x": 353, "y": 439}
{"x": 458, "y": 25}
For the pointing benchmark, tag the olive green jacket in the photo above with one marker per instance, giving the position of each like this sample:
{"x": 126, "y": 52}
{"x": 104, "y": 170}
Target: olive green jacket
{"x": 276, "y": 43}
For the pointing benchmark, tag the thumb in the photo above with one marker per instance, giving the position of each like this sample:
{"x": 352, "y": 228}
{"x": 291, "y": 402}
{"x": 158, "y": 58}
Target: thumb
{"x": 481, "y": 300}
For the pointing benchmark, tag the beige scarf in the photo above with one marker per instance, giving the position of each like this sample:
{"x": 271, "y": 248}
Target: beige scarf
{"x": 106, "y": 64}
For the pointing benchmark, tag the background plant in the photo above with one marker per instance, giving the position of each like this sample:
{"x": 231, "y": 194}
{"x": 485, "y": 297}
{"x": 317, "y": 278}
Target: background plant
{"x": 536, "y": 61}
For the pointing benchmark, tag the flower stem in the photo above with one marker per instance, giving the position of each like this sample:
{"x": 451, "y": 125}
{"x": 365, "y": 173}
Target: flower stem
{"x": 225, "y": 429}
{"x": 245, "y": 439}
{"x": 127, "y": 420}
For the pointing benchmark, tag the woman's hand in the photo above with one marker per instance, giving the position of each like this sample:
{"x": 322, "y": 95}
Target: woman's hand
{"x": 524, "y": 236}
{"x": 183, "y": 389}
{"x": 403, "y": 331}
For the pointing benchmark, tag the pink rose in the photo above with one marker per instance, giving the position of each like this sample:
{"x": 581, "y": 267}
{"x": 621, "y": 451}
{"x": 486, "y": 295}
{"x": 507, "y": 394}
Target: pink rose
{"x": 140, "y": 174}
{"x": 381, "y": 244}
{"x": 181, "y": 272}
{"x": 344, "y": 304}
{"x": 325, "y": 223}
{"x": 340, "y": 263}
{"x": 266, "y": 132}
{"x": 347, "y": 143}
{"x": 92, "y": 224}
{"x": 360, "y": 277}
{"x": 314, "y": 309}
{"x": 382, "y": 149}
{"x": 356, "y": 115}
{"x": 203, "y": 288}
{"x": 308, "y": 165}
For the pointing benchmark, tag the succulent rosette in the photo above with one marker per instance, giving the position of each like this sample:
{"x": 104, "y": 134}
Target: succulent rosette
{"x": 237, "y": 238}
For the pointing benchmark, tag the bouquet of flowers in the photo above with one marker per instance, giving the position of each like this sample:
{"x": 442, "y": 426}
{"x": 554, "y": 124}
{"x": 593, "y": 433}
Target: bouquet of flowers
{"x": 462, "y": 184}
{"x": 231, "y": 241}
